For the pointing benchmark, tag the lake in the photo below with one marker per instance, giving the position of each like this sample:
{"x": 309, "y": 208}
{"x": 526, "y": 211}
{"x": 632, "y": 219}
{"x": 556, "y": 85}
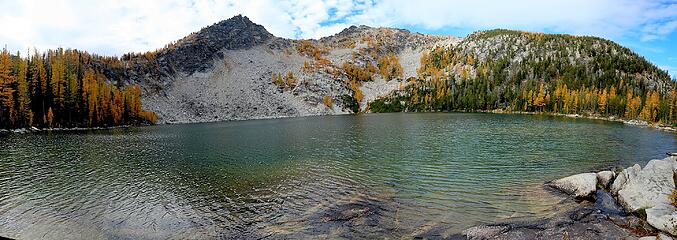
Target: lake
{"x": 374, "y": 175}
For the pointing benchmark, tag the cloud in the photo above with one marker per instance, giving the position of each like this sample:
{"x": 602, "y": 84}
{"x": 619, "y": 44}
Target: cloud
{"x": 120, "y": 26}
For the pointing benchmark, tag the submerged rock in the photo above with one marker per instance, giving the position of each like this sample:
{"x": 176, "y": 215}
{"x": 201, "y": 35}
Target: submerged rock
{"x": 580, "y": 223}
{"x": 485, "y": 232}
{"x": 355, "y": 218}
{"x": 606, "y": 203}
{"x": 636, "y": 190}
{"x": 579, "y": 185}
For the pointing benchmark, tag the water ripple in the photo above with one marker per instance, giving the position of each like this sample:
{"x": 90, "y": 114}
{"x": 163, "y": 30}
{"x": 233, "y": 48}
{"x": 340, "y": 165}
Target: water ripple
{"x": 342, "y": 176}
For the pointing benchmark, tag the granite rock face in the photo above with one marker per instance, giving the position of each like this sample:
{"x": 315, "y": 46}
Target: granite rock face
{"x": 197, "y": 51}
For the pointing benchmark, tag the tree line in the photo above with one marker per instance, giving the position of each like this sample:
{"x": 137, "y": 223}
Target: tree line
{"x": 64, "y": 88}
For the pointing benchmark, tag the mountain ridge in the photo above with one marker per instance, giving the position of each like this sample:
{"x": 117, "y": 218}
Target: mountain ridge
{"x": 236, "y": 69}
{"x": 353, "y": 67}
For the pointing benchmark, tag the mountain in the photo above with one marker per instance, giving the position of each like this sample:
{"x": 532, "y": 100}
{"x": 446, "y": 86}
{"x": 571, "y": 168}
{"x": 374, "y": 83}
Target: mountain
{"x": 225, "y": 72}
{"x": 236, "y": 69}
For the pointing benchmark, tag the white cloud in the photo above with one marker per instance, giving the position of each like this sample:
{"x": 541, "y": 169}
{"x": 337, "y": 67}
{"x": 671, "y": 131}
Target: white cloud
{"x": 119, "y": 26}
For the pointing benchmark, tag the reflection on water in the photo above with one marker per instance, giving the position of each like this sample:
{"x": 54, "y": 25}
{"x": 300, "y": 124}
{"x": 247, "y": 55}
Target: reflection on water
{"x": 400, "y": 175}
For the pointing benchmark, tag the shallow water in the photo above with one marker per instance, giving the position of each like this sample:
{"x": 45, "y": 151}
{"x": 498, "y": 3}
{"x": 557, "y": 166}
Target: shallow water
{"x": 363, "y": 176}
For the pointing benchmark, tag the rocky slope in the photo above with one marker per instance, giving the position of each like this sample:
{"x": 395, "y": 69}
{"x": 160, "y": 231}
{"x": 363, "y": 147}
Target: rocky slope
{"x": 225, "y": 72}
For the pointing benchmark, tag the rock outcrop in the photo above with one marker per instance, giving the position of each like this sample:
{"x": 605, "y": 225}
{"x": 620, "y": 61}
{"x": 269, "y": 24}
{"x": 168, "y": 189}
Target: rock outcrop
{"x": 579, "y": 185}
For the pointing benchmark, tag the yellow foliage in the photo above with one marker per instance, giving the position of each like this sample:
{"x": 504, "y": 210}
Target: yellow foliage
{"x": 357, "y": 73}
{"x": 290, "y": 80}
{"x": 327, "y": 101}
{"x": 389, "y": 67}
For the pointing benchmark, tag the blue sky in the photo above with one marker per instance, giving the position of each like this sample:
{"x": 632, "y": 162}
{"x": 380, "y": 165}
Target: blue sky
{"x": 114, "y": 27}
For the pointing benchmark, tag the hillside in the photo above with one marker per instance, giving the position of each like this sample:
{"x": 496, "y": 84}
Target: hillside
{"x": 523, "y": 71}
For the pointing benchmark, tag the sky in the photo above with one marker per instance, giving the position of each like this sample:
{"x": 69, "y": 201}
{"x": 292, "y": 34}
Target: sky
{"x": 115, "y": 27}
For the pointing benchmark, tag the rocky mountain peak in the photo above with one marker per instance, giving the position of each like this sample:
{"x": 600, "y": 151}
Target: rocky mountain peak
{"x": 196, "y": 51}
{"x": 238, "y": 31}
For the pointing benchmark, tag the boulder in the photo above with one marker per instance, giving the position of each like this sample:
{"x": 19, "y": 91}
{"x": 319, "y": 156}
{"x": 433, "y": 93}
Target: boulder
{"x": 579, "y": 185}
{"x": 650, "y": 186}
{"x": 663, "y": 217}
{"x": 623, "y": 177}
{"x": 605, "y": 177}
{"x": 648, "y": 189}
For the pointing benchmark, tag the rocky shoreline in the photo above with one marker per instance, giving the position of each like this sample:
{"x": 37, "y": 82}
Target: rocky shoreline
{"x": 75, "y": 129}
{"x": 632, "y": 122}
{"x": 631, "y": 203}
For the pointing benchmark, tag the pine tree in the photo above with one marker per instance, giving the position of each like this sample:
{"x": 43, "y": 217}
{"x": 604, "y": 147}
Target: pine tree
{"x": 39, "y": 83}
{"x": 50, "y": 117}
{"x": 6, "y": 89}
{"x": 57, "y": 78}
{"x": 23, "y": 95}
{"x": 602, "y": 102}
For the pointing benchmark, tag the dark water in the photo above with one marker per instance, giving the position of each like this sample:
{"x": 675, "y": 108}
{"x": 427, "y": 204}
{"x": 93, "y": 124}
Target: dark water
{"x": 397, "y": 175}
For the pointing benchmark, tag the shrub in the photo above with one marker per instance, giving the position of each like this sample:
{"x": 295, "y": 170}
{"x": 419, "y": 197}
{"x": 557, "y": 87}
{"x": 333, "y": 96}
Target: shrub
{"x": 327, "y": 101}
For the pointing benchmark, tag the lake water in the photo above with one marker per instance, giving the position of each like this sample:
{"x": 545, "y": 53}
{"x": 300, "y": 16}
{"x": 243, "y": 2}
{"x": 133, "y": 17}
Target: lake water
{"x": 398, "y": 175}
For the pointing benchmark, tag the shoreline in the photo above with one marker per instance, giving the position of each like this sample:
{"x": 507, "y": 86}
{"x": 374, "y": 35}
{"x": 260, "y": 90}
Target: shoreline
{"x": 632, "y": 122}
{"x": 75, "y": 129}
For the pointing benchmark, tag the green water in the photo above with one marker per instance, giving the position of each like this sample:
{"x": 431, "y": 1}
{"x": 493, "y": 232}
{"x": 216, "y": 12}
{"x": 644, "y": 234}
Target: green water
{"x": 398, "y": 175}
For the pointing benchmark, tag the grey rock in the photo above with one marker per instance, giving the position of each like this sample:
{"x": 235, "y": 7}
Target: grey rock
{"x": 662, "y": 236}
{"x": 580, "y": 223}
{"x": 604, "y": 178}
{"x": 579, "y": 185}
{"x": 663, "y": 217}
{"x": 650, "y": 187}
{"x": 623, "y": 177}
{"x": 484, "y": 232}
